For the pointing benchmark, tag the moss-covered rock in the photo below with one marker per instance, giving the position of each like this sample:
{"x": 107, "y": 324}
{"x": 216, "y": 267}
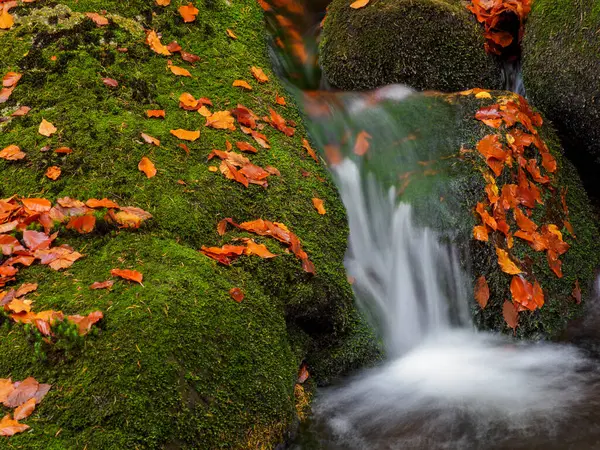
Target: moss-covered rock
{"x": 176, "y": 363}
{"x": 561, "y": 71}
{"x": 426, "y": 44}
{"x": 425, "y": 148}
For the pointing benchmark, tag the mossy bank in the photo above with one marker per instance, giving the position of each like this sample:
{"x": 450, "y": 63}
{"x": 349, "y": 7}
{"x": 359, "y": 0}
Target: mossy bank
{"x": 176, "y": 363}
{"x": 424, "y": 147}
{"x": 426, "y": 44}
{"x": 561, "y": 71}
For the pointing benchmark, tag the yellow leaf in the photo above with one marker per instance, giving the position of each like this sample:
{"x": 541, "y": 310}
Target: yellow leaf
{"x": 6, "y": 20}
{"x": 506, "y": 264}
{"x": 231, "y": 34}
{"x": 12, "y": 153}
{"x": 46, "y": 128}
{"x": 483, "y": 95}
{"x": 359, "y": 4}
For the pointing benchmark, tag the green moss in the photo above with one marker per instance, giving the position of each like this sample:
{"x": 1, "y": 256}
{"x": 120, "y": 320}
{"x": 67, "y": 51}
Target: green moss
{"x": 426, "y": 44}
{"x": 561, "y": 59}
{"x": 209, "y": 373}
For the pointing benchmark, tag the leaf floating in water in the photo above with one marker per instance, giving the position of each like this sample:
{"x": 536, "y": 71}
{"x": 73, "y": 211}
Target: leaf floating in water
{"x": 362, "y": 143}
{"x": 482, "y": 291}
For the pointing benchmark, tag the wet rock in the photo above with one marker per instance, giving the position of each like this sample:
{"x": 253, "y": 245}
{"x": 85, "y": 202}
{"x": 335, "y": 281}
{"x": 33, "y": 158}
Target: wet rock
{"x": 426, "y": 44}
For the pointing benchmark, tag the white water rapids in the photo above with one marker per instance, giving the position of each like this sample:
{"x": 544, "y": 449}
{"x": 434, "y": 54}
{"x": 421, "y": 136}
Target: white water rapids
{"x": 445, "y": 385}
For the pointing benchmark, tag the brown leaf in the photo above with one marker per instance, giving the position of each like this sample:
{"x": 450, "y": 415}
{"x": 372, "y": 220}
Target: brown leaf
{"x": 482, "y": 291}
{"x": 577, "y": 292}
{"x": 147, "y": 166}
{"x": 6, "y": 387}
{"x": 511, "y": 315}
{"x": 99, "y": 20}
{"x": 24, "y": 391}
{"x": 110, "y": 82}
{"x": 236, "y": 294}
{"x": 189, "y": 57}
{"x": 126, "y": 274}
{"x": 149, "y": 139}
{"x": 102, "y": 284}
{"x": 310, "y": 150}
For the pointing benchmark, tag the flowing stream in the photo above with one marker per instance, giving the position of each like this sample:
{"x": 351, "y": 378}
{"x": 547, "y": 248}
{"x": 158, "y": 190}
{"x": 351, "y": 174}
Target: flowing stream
{"x": 443, "y": 385}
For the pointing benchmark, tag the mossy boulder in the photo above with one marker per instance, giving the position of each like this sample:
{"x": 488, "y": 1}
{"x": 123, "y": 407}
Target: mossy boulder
{"x": 561, "y": 72}
{"x": 426, "y": 44}
{"x": 425, "y": 148}
{"x": 175, "y": 363}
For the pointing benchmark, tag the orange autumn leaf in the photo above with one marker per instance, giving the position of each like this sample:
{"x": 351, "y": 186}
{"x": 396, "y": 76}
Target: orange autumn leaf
{"x": 150, "y": 140}
{"x": 318, "y": 204}
{"x": 53, "y": 172}
{"x": 186, "y": 135}
{"x": 511, "y": 315}
{"x": 127, "y": 274}
{"x": 160, "y": 113}
{"x": 63, "y": 151}
{"x": 12, "y": 153}
{"x": 506, "y": 264}
{"x": 37, "y": 204}
{"x": 245, "y": 147}
{"x": 359, "y": 4}
{"x": 258, "y": 73}
{"x": 25, "y": 289}
{"x": 6, "y": 387}
{"x": 482, "y": 291}
{"x": 188, "y": 12}
{"x": 280, "y": 100}
{"x": 480, "y": 233}
{"x": 204, "y": 111}
{"x": 18, "y": 306}
{"x": 242, "y": 84}
{"x": 236, "y": 294}
{"x": 11, "y": 79}
{"x": 102, "y": 284}
{"x": 6, "y": 21}
{"x": 104, "y": 203}
{"x": 8, "y": 426}
{"x": 22, "y": 393}
{"x": 153, "y": 41}
{"x": 310, "y": 150}
{"x": 58, "y": 258}
{"x": 163, "y": 2}
{"x": 180, "y": 71}
{"x": 46, "y": 128}
{"x": 84, "y": 323}
{"x": 231, "y": 34}
{"x": 147, "y": 166}
{"x": 224, "y": 255}
{"x": 99, "y": 20}
{"x": 187, "y": 101}
{"x": 82, "y": 224}
{"x": 221, "y": 120}
{"x": 261, "y": 250}
{"x": 302, "y": 374}
{"x": 25, "y": 410}
{"x": 362, "y": 143}
{"x": 524, "y": 222}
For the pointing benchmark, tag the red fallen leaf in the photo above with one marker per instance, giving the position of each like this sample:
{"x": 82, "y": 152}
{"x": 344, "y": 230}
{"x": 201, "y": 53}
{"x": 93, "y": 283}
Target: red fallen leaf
{"x": 236, "y": 294}
{"x": 126, "y": 274}
{"x": 174, "y": 47}
{"x": 511, "y": 315}
{"x": 482, "y": 291}
{"x": 245, "y": 147}
{"x": 25, "y": 410}
{"x": 310, "y": 150}
{"x": 23, "y": 391}
{"x": 43, "y": 389}
{"x": 85, "y": 323}
{"x": 480, "y": 233}
{"x": 37, "y": 204}
{"x": 232, "y": 173}
{"x": 555, "y": 263}
{"x": 9, "y": 245}
{"x": 522, "y": 292}
{"x": 318, "y": 204}
{"x": 224, "y": 255}
{"x": 188, "y": 12}
{"x": 147, "y": 166}
{"x": 245, "y": 116}
{"x": 10, "y": 427}
{"x": 255, "y": 174}
{"x": 259, "y": 74}
{"x": 82, "y": 224}
{"x": 189, "y": 57}
{"x": 538, "y": 294}
{"x": 102, "y": 285}
{"x": 302, "y": 374}
{"x": 36, "y": 240}
{"x": 506, "y": 264}
{"x": 491, "y": 148}
{"x": 99, "y": 20}
{"x": 523, "y": 222}
{"x": 149, "y": 139}
{"x": 111, "y": 82}
{"x": 26, "y": 288}
{"x": 159, "y": 113}
{"x": 548, "y": 162}
{"x": 577, "y": 292}
{"x": 58, "y": 257}
{"x": 362, "y": 143}
{"x": 43, "y": 327}
{"x": 104, "y": 203}
{"x": 277, "y": 121}
{"x": 488, "y": 112}
{"x": 22, "y": 111}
